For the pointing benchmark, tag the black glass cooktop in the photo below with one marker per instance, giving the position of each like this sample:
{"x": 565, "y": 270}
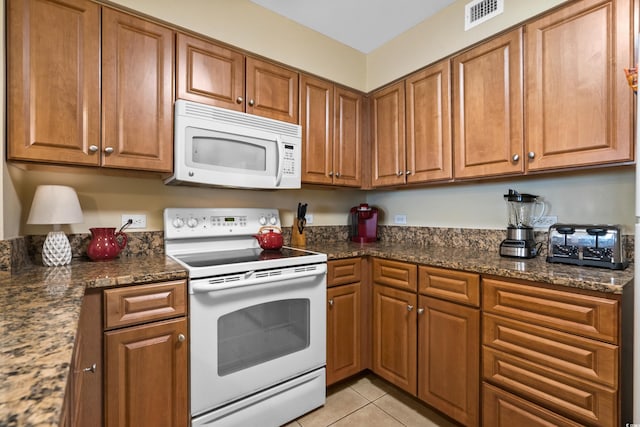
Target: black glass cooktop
{"x": 208, "y": 259}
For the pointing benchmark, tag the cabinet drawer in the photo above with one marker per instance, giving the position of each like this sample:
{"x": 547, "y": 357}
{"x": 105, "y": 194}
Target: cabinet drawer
{"x": 583, "y": 400}
{"x": 144, "y": 303}
{"x": 395, "y": 273}
{"x": 571, "y": 312}
{"x": 343, "y": 271}
{"x": 585, "y": 358}
{"x": 452, "y": 285}
{"x": 502, "y": 409}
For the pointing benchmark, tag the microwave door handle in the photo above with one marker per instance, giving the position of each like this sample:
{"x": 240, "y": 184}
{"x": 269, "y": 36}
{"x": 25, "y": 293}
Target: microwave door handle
{"x": 280, "y": 153}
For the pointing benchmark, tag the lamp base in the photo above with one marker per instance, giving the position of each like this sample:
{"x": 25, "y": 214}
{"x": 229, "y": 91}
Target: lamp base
{"x": 56, "y": 249}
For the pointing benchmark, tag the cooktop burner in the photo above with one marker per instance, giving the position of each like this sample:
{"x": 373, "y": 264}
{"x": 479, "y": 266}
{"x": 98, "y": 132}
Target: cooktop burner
{"x": 237, "y": 256}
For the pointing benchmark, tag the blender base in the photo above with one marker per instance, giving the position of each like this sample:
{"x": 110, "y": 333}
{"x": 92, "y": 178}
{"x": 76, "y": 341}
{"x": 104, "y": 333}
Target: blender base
{"x": 518, "y": 248}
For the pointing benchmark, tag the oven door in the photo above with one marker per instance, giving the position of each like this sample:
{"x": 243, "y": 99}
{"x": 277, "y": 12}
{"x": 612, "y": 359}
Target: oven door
{"x": 254, "y": 330}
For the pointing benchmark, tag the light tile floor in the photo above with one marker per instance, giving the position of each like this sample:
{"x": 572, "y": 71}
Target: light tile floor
{"x": 371, "y": 402}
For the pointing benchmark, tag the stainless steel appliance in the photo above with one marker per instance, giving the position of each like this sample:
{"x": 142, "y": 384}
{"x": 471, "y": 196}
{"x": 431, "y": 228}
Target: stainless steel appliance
{"x": 364, "y": 223}
{"x": 257, "y": 318}
{"x": 219, "y": 147}
{"x": 521, "y": 214}
{"x": 592, "y": 245}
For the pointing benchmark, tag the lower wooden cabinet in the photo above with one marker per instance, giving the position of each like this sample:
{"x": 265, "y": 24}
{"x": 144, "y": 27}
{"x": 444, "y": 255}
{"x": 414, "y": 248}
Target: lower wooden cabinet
{"x": 343, "y": 332}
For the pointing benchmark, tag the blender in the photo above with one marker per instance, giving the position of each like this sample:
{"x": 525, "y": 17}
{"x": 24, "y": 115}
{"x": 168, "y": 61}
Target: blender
{"x": 521, "y": 212}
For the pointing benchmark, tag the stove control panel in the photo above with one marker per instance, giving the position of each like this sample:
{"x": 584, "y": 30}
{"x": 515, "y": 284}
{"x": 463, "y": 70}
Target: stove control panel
{"x": 215, "y": 222}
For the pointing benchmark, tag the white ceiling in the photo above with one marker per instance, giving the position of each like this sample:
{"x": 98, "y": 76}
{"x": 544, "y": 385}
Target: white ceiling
{"x": 362, "y": 24}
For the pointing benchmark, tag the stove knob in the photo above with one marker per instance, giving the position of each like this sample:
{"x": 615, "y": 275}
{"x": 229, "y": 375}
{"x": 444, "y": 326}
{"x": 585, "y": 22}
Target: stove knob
{"x": 178, "y": 222}
{"x": 192, "y": 222}
{"x": 273, "y": 220}
{"x": 262, "y": 220}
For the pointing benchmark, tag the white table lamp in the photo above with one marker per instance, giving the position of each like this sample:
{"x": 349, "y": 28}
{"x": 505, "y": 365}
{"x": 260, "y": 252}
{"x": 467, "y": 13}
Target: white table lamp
{"x": 56, "y": 205}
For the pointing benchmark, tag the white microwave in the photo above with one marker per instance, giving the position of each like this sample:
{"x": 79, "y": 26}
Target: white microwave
{"x": 226, "y": 148}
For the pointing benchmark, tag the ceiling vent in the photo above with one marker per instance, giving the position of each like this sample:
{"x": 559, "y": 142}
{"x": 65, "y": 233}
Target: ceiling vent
{"x": 479, "y": 11}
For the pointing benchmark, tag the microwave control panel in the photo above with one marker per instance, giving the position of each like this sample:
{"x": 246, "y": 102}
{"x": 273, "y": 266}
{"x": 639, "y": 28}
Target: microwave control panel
{"x": 289, "y": 166}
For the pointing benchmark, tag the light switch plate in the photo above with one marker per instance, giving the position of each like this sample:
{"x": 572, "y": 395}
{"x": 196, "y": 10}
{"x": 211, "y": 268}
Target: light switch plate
{"x": 400, "y": 219}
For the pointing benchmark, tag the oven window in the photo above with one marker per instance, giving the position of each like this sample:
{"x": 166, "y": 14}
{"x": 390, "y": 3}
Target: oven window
{"x": 262, "y": 332}
{"x": 229, "y": 153}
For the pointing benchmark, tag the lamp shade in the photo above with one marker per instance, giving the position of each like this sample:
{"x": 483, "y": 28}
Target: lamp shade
{"x": 55, "y": 204}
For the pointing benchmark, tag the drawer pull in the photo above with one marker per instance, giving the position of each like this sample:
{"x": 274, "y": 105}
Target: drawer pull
{"x": 91, "y": 369}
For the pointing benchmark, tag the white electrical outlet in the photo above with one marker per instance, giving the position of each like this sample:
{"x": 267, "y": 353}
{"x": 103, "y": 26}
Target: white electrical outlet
{"x": 545, "y": 221}
{"x": 400, "y": 219}
{"x": 309, "y": 218}
{"x": 138, "y": 221}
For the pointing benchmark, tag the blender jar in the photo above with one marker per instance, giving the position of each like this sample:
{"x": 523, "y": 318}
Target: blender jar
{"x": 521, "y": 209}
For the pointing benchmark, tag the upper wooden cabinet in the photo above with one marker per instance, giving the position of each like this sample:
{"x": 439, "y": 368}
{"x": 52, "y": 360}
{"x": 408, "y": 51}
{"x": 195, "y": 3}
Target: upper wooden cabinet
{"x": 388, "y": 136}
{"x": 137, "y": 97}
{"x": 331, "y": 119}
{"x": 53, "y": 82}
{"x": 222, "y": 77}
{"x": 579, "y": 107}
{"x": 56, "y": 77}
{"x": 488, "y": 108}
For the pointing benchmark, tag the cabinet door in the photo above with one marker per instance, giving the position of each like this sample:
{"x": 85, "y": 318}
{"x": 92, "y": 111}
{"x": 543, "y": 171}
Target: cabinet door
{"x": 347, "y": 138}
{"x": 449, "y": 358}
{"x": 146, "y": 375}
{"x": 209, "y": 73}
{"x": 394, "y": 336}
{"x": 488, "y": 111}
{"x": 137, "y": 100}
{"x": 343, "y": 332}
{"x": 272, "y": 91}
{"x": 388, "y": 136}
{"x": 580, "y": 109}
{"x": 53, "y": 81}
{"x": 316, "y": 110}
{"x": 429, "y": 124}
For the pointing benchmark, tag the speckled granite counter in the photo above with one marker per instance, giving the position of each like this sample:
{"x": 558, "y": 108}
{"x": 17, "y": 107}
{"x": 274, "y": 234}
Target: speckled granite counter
{"x": 487, "y": 262}
{"x": 40, "y": 311}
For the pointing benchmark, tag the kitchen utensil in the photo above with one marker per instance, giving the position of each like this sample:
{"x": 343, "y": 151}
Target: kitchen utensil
{"x": 105, "y": 243}
{"x": 269, "y": 240}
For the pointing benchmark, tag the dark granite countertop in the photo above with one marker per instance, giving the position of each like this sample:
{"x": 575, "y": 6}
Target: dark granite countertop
{"x": 40, "y": 310}
{"x": 41, "y": 307}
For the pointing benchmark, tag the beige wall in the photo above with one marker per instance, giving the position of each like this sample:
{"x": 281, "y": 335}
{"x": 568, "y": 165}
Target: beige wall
{"x": 239, "y": 22}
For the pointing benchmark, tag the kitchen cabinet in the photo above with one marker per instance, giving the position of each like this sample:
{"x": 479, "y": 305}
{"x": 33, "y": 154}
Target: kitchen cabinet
{"x": 557, "y": 349}
{"x": 488, "y": 108}
{"x": 449, "y": 342}
{"x": 66, "y": 66}
{"x": 344, "y": 325}
{"x": 394, "y": 355}
{"x": 83, "y": 396}
{"x": 388, "y": 135}
{"x": 216, "y": 75}
{"x": 579, "y": 109}
{"x": 53, "y": 78}
{"x": 331, "y": 119}
{"x": 146, "y": 355}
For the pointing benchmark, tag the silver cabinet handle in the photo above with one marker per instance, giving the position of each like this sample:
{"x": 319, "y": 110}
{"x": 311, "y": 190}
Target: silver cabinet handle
{"x": 409, "y": 307}
{"x": 91, "y": 369}
{"x": 181, "y": 337}
{"x": 399, "y": 173}
{"x": 531, "y": 155}
{"x": 516, "y": 157}
{"x": 251, "y": 102}
{"x": 420, "y": 310}
{"x": 331, "y": 303}
{"x": 239, "y": 100}
{"x": 93, "y": 148}
{"x": 108, "y": 150}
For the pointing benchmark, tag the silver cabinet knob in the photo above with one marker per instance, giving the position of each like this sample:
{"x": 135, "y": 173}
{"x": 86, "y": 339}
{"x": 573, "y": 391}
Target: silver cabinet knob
{"x": 420, "y": 310}
{"x": 108, "y": 150}
{"x": 239, "y": 100}
{"x": 399, "y": 173}
{"x": 409, "y": 307}
{"x": 330, "y": 173}
{"x": 531, "y": 155}
{"x": 331, "y": 303}
{"x": 181, "y": 337}
{"x": 515, "y": 157}
{"x": 91, "y": 369}
{"x": 93, "y": 148}
{"x": 407, "y": 173}
{"x": 337, "y": 174}
{"x": 251, "y": 102}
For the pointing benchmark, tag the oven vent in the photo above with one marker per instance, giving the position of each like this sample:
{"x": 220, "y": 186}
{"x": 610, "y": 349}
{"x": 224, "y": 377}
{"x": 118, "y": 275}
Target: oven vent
{"x": 479, "y": 11}
{"x": 305, "y": 268}
{"x": 268, "y": 274}
{"x": 221, "y": 280}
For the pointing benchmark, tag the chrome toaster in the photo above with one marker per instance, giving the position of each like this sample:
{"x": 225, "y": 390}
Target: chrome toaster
{"x": 594, "y": 245}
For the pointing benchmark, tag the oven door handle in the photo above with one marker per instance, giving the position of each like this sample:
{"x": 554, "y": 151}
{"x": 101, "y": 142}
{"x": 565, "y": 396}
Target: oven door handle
{"x": 204, "y": 286}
